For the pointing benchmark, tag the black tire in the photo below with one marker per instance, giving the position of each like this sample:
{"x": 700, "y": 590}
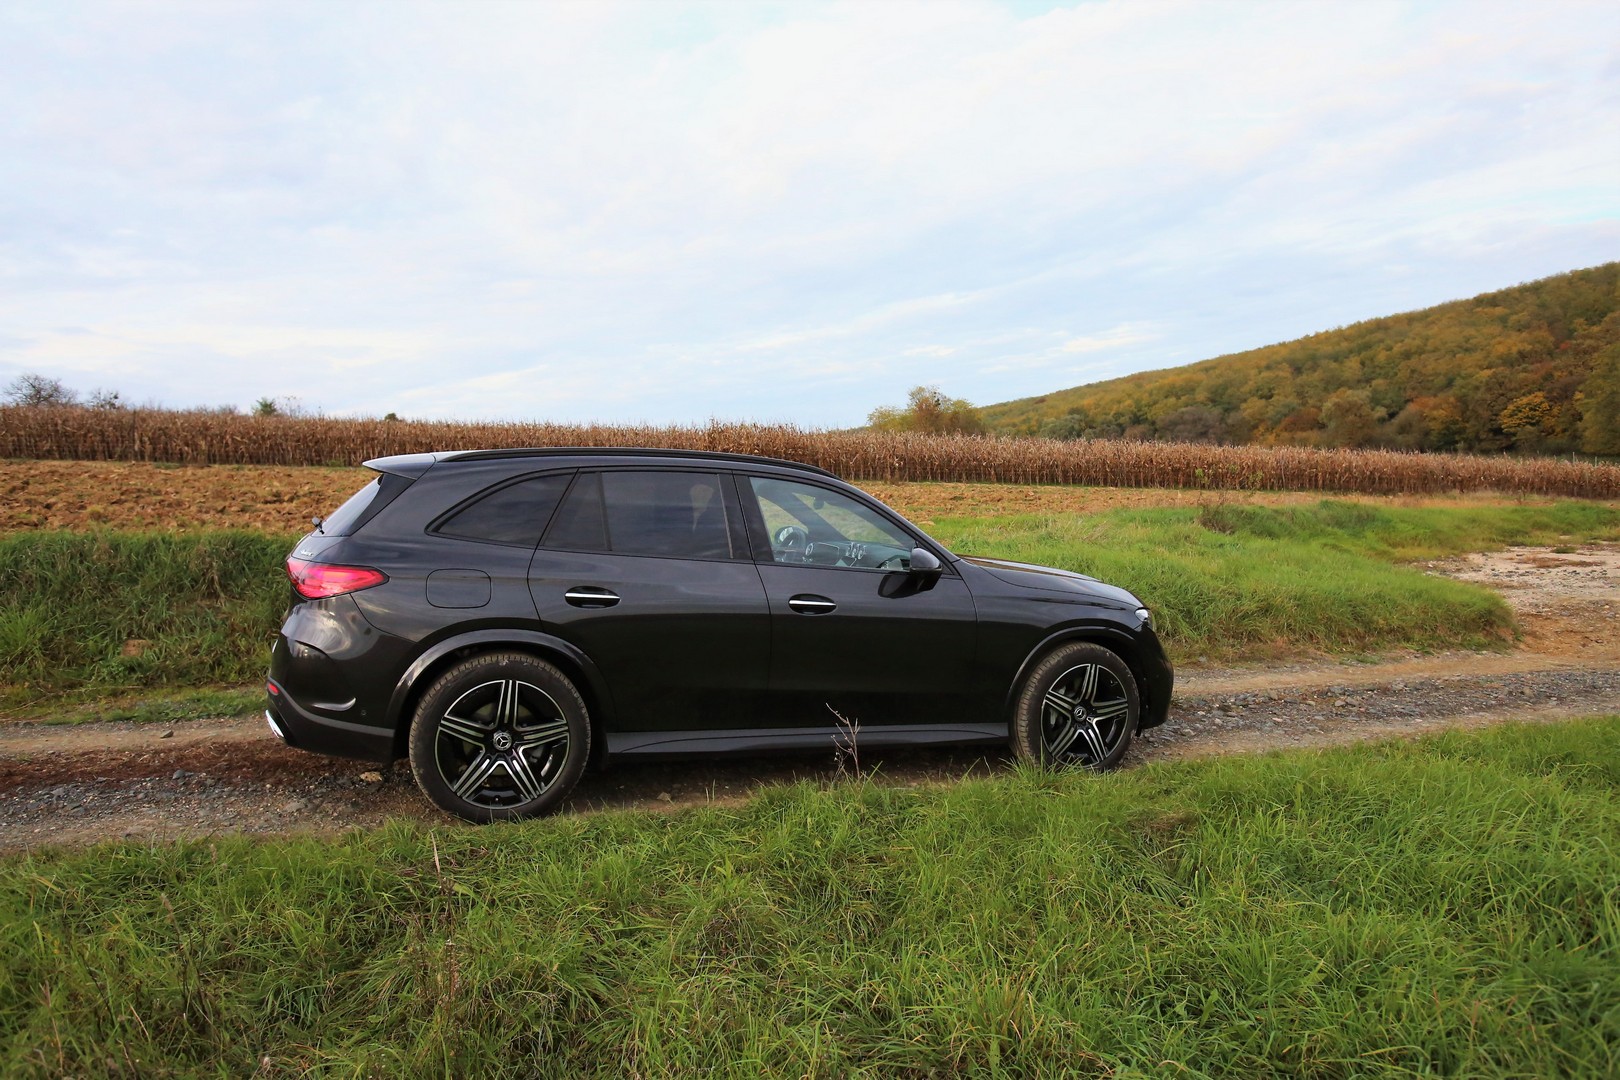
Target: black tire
{"x": 1079, "y": 706}
{"x": 500, "y": 737}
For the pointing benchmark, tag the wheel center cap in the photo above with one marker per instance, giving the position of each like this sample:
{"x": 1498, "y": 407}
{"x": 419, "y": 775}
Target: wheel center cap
{"x": 502, "y": 740}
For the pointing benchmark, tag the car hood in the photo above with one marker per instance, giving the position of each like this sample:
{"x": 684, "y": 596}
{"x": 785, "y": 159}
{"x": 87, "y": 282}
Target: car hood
{"x": 1052, "y": 580}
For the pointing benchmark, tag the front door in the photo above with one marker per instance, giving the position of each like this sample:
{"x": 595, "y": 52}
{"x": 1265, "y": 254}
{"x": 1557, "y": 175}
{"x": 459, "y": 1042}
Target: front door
{"x": 853, "y": 635}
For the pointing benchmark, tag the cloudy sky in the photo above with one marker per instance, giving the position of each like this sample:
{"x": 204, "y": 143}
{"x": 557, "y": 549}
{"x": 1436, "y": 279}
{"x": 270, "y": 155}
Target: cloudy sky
{"x": 668, "y": 212}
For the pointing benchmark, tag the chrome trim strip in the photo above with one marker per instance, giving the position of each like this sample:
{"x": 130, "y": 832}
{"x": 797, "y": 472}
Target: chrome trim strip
{"x": 275, "y": 728}
{"x": 603, "y": 597}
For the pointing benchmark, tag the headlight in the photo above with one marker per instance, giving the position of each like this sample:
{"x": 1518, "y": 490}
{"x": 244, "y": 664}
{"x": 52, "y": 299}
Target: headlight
{"x": 1146, "y": 616}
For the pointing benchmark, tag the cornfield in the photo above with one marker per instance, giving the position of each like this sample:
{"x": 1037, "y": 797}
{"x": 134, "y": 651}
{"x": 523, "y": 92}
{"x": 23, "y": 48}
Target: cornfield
{"x": 224, "y": 439}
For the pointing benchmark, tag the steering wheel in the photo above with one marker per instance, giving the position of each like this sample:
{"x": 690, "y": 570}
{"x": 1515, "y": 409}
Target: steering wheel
{"x": 790, "y": 538}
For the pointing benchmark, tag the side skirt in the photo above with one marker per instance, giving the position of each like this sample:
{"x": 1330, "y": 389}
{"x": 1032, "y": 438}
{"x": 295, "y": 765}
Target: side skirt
{"x": 755, "y": 740}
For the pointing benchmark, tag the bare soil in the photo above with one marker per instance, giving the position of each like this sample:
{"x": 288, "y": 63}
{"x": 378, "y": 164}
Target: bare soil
{"x": 1567, "y": 600}
{"x": 142, "y": 495}
{"x": 139, "y": 495}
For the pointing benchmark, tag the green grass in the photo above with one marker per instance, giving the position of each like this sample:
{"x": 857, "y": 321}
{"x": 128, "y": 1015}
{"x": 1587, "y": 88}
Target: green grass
{"x": 1234, "y": 581}
{"x": 1226, "y": 581}
{"x": 110, "y": 614}
{"x": 1450, "y": 906}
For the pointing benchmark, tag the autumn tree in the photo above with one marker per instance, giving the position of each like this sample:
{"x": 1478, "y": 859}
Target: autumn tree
{"x": 1525, "y": 419}
{"x": 34, "y": 389}
{"x": 1193, "y": 423}
{"x": 1347, "y": 418}
{"x": 928, "y": 410}
{"x": 1599, "y": 402}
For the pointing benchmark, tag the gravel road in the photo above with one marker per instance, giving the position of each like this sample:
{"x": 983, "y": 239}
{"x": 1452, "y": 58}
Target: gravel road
{"x": 116, "y": 780}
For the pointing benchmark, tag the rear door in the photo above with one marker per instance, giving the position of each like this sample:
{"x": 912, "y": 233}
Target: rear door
{"x": 851, "y": 631}
{"x": 647, "y": 571}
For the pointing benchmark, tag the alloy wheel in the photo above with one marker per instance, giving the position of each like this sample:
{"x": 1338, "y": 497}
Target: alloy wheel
{"x": 1084, "y": 715}
{"x": 501, "y": 743}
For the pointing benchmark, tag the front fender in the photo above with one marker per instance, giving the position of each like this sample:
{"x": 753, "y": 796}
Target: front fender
{"x": 1155, "y": 678}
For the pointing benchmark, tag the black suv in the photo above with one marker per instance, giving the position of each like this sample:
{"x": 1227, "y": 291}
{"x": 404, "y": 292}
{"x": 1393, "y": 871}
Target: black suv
{"x": 504, "y": 617}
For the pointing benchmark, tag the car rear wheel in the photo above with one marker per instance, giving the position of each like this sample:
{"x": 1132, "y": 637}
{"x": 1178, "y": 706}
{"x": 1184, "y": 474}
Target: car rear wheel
{"x": 500, "y": 737}
{"x": 1078, "y": 707}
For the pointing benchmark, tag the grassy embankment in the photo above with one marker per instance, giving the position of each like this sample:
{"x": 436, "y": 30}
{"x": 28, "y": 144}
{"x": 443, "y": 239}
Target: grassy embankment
{"x": 1242, "y": 582}
{"x": 1447, "y": 906}
{"x": 91, "y": 615}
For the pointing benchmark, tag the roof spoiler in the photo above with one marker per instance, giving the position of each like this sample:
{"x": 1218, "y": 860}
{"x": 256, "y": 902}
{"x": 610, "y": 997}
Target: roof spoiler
{"x": 407, "y": 465}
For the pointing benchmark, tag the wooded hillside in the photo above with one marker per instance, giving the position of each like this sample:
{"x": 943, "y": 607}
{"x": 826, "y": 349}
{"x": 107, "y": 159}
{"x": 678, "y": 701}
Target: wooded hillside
{"x": 1533, "y": 368}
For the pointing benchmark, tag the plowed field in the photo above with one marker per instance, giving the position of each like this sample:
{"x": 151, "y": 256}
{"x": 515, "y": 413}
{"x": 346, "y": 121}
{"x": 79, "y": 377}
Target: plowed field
{"x": 136, "y": 495}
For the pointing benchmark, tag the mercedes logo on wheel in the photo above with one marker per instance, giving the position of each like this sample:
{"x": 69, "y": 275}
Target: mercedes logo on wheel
{"x": 503, "y": 740}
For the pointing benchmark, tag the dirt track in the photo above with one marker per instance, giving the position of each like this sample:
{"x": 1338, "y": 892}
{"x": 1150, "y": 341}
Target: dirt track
{"x": 106, "y": 781}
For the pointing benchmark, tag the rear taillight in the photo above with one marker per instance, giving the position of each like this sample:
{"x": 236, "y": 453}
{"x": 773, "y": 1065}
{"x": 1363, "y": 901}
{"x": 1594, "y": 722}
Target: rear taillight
{"x": 316, "y": 581}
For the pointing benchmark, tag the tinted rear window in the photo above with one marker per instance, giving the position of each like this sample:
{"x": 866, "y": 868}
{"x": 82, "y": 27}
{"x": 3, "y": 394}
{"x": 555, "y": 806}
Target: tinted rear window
{"x": 674, "y": 514}
{"x": 514, "y": 514}
{"x": 579, "y": 525}
{"x": 364, "y": 505}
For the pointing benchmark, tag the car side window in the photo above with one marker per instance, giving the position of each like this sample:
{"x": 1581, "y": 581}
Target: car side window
{"x": 818, "y": 526}
{"x": 579, "y": 524}
{"x": 512, "y": 514}
{"x": 669, "y": 514}
{"x": 673, "y": 514}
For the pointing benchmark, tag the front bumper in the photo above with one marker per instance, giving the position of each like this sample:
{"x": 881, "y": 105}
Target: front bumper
{"x": 1159, "y": 678}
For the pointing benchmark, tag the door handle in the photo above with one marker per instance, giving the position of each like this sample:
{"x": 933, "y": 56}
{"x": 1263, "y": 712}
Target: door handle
{"x": 806, "y": 604}
{"x": 591, "y": 596}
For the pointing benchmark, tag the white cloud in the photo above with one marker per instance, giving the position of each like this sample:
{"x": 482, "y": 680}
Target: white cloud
{"x": 1115, "y": 338}
{"x": 671, "y": 212}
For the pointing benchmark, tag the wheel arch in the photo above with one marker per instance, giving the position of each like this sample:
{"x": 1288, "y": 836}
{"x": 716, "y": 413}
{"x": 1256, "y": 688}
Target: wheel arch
{"x": 1114, "y": 638}
{"x": 452, "y": 650}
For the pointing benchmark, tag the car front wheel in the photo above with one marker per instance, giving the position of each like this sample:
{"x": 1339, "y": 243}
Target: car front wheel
{"x": 1079, "y": 706}
{"x": 500, "y": 737}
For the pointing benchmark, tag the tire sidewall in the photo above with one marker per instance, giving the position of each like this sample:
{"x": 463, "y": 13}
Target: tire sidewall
{"x": 1027, "y": 738}
{"x": 462, "y": 677}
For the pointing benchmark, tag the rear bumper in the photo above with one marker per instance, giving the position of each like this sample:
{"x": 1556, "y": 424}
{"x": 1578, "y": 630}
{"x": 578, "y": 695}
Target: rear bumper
{"x": 322, "y": 734}
{"x": 330, "y": 672}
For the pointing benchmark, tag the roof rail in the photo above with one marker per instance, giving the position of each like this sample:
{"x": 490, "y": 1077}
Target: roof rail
{"x": 631, "y": 451}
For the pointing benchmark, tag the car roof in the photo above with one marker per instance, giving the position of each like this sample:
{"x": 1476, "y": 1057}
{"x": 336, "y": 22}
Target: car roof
{"x": 414, "y": 465}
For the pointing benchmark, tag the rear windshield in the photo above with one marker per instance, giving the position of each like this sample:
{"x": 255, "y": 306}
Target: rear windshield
{"x": 363, "y": 505}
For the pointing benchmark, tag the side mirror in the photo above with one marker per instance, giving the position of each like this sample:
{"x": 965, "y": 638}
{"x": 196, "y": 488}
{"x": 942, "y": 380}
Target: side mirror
{"x": 920, "y": 575}
{"x": 923, "y": 565}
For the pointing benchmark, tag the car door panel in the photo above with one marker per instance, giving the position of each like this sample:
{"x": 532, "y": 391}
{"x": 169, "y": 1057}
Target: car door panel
{"x": 881, "y": 646}
{"x": 901, "y": 658}
{"x": 686, "y": 644}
